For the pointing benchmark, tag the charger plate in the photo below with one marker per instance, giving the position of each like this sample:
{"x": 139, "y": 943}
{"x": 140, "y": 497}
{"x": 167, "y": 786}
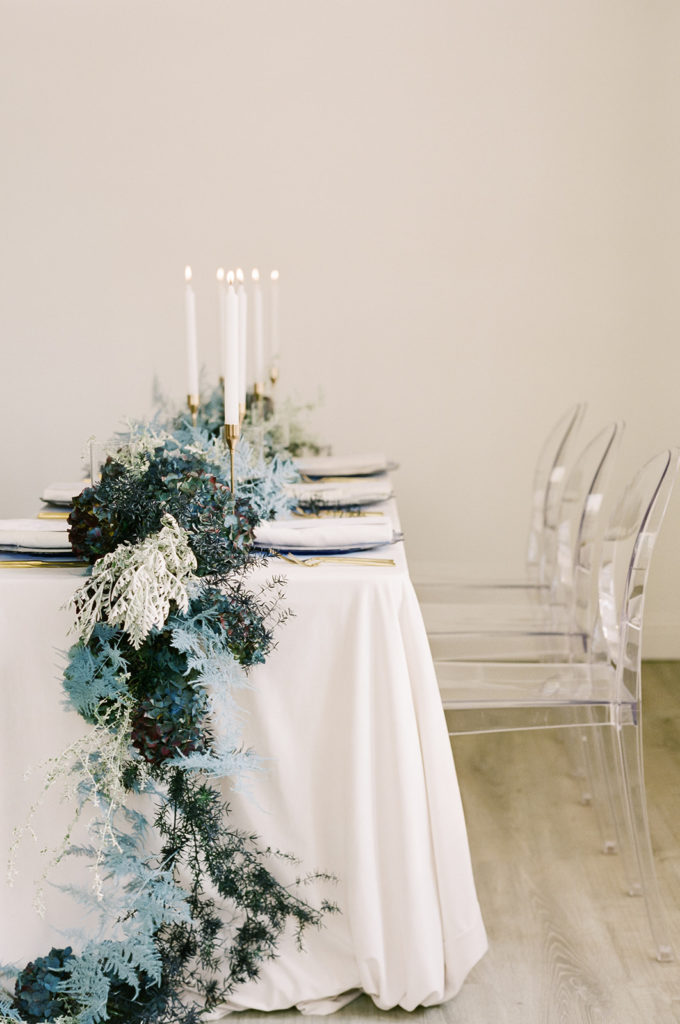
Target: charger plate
{"x": 9, "y": 558}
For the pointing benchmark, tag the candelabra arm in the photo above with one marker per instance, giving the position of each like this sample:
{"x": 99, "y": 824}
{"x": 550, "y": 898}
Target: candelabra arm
{"x": 258, "y": 395}
{"x": 192, "y": 403}
{"x": 231, "y": 435}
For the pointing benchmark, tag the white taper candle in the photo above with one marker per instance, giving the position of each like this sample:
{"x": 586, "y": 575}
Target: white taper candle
{"x": 192, "y": 342}
{"x": 231, "y": 376}
{"x": 242, "y": 336}
{"x": 222, "y": 316}
{"x": 258, "y": 328}
{"x": 274, "y": 340}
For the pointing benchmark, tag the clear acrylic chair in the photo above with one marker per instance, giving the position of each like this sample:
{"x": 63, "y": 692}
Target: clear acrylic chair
{"x": 550, "y": 475}
{"x": 538, "y": 622}
{"x": 602, "y": 693}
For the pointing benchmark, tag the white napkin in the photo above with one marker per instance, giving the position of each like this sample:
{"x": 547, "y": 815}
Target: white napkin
{"x": 324, "y": 533}
{"x": 34, "y": 534}
{"x": 353, "y": 492}
{"x": 63, "y": 493}
{"x": 341, "y": 465}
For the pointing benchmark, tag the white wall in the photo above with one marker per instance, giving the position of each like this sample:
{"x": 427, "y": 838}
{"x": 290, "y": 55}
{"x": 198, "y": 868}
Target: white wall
{"x": 473, "y": 205}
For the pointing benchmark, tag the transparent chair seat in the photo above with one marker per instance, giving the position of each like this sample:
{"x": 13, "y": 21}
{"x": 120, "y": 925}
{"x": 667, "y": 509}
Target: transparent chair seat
{"x": 451, "y": 618}
{"x": 524, "y": 645}
{"x": 602, "y": 693}
{"x": 489, "y": 687}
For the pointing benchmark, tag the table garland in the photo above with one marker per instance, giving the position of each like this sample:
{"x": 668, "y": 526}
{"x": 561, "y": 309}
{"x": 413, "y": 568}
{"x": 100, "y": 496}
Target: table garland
{"x": 166, "y": 632}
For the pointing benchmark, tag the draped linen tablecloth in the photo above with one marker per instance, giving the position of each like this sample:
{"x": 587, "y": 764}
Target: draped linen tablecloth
{"x": 359, "y": 782}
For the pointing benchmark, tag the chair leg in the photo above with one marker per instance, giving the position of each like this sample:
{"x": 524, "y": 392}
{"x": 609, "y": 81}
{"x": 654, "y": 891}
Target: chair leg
{"x": 598, "y": 786}
{"x": 629, "y": 743}
{"x": 578, "y": 767}
{"x": 618, "y": 807}
{"x": 588, "y": 764}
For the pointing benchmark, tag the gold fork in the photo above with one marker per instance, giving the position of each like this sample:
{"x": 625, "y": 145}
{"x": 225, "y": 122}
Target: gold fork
{"x": 29, "y": 564}
{"x": 315, "y": 560}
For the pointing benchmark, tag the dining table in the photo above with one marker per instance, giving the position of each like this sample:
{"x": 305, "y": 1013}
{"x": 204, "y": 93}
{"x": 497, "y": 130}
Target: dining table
{"x": 356, "y": 780}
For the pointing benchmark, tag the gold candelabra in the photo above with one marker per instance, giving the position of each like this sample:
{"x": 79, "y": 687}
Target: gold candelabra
{"x": 274, "y": 375}
{"x": 231, "y": 434}
{"x": 258, "y": 395}
{"x": 192, "y": 402}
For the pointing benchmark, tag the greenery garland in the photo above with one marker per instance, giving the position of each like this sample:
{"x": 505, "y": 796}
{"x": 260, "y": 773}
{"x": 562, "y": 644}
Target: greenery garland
{"x": 167, "y": 631}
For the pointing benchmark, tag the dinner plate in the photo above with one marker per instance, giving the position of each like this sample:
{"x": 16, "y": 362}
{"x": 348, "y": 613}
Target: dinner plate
{"x": 62, "y": 493}
{"x": 339, "y": 467}
{"x": 333, "y": 497}
{"x": 358, "y": 474}
{"x": 34, "y": 535}
{"x": 336, "y": 549}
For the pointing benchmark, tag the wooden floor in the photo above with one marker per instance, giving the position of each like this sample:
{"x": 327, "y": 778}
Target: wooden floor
{"x": 566, "y": 944}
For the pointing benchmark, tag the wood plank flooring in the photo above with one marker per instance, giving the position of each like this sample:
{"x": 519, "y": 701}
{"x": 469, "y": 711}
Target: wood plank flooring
{"x": 567, "y": 946}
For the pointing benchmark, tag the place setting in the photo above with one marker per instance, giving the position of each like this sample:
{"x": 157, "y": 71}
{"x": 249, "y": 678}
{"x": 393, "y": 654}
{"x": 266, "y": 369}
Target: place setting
{"x": 36, "y": 543}
{"x": 339, "y": 494}
{"x": 329, "y": 537}
{"x": 43, "y": 542}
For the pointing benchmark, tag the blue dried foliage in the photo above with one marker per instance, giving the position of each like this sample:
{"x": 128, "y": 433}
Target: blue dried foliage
{"x": 96, "y": 672}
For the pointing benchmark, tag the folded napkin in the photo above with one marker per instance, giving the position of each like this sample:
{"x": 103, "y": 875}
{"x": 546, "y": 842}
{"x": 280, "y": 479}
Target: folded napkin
{"x": 34, "y": 534}
{"x": 341, "y": 465}
{"x": 63, "y": 493}
{"x": 353, "y": 492}
{"x": 318, "y": 534}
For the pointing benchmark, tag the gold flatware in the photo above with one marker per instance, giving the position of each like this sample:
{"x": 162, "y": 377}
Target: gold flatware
{"x": 315, "y": 560}
{"x": 53, "y": 515}
{"x": 30, "y": 564}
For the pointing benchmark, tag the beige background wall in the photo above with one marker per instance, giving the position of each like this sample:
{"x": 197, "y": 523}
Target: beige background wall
{"x": 473, "y": 204}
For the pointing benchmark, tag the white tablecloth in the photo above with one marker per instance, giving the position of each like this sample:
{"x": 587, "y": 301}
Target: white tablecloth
{"x": 359, "y": 783}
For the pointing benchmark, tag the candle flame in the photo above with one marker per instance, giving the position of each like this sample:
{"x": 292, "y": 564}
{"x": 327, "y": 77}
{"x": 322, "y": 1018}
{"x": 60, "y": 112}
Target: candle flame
{"x": 255, "y": 274}
{"x": 230, "y": 277}
{"x": 275, "y": 275}
{"x": 187, "y": 273}
{"x": 240, "y": 276}
{"x": 220, "y": 274}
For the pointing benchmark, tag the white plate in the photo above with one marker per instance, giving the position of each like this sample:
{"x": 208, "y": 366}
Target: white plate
{"x": 316, "y": 466}
{"x": 367, "y": 491}
{"x": 337, "y": 549}
{"x": 62, "y": 492}
{"x": 31, "y": 549}
{"x": 34, "y": 535}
